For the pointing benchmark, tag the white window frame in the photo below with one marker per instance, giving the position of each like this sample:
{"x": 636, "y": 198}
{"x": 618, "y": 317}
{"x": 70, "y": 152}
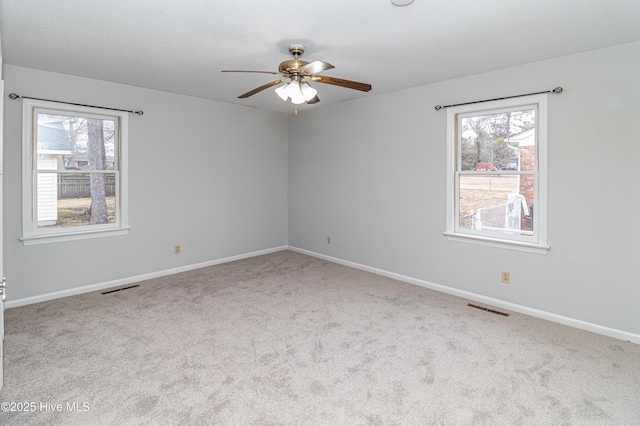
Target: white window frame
{"x": 537, "y": 243}
{"x": 31, "y": 234}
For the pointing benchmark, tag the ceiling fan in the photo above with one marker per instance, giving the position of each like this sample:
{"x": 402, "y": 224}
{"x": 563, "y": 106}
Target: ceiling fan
{"x": 296, "y": 75}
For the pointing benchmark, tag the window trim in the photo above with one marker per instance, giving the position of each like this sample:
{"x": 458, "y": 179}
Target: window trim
{"x": 30, "y": 232}
{"x": 538, "y": 244}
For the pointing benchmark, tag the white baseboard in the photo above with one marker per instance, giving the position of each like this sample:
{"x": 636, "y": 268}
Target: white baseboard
{"x": 572, "y": 322}
{"x": 137, "y": 278}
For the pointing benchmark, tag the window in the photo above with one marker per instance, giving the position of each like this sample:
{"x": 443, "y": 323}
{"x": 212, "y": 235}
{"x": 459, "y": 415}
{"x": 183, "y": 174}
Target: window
{"x": 496, "y": 173}
{"x": 74, "y": 172}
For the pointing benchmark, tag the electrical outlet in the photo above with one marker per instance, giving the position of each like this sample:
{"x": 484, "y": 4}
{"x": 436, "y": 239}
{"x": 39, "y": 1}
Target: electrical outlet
{"x": 328, "y": 239}
{"x": 506, "y": 277}
{"x": 176, "y": 249}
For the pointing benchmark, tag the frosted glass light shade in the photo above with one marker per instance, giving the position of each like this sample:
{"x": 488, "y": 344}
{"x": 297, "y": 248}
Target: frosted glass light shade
{"x": 282, "y": 92}
{"x": 307, "y": 91}
{"x": 293, "y": 89}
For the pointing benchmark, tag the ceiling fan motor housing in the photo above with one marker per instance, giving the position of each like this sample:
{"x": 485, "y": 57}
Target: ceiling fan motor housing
{"x": 291, "y": 66}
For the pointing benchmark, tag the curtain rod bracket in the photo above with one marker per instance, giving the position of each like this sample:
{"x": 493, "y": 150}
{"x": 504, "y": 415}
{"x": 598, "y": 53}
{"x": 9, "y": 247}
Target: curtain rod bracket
{"x": 556, "y": 90}
{"x": 16, "y": 96}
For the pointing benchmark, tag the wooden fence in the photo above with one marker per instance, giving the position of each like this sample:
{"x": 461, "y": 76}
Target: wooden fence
{"x": 78, "y": 186}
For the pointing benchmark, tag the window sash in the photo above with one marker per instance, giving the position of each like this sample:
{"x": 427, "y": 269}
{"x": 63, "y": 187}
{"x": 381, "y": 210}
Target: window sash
{"x": 70, "y": 113}
{"x": 507, "y": 234}
{"x": 39, "y": 230}
{"x": 493, "y": 111}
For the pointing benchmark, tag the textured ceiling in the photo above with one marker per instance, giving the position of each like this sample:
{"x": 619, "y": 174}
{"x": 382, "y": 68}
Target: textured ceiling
{"x": 181, "y": 46}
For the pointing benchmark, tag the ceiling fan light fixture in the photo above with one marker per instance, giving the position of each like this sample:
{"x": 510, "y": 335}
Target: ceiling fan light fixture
{"x": 294, "y": 91}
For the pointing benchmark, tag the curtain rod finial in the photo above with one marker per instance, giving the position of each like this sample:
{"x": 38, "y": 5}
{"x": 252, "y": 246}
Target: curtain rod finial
{"x": 13, "y": 96}
{"x": 557, "y": 90}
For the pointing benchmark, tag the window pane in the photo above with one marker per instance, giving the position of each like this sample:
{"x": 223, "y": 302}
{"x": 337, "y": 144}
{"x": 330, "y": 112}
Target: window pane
{"x": 75, "y": 143}
{"x": 496, "y": 203}
{"x": 75, "y": 199}
{"x": 493, "y": 141}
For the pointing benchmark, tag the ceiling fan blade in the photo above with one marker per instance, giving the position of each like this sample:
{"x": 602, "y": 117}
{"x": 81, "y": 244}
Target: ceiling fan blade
{"x": 259, "y": 89}
{"x": 316, "y": 67}
{"x": 314, "y": 100}
{"x": 356, "y": 85}
{"x": 261, "y": 72}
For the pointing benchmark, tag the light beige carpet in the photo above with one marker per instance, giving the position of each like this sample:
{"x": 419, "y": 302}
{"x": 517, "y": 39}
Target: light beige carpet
{"x": 287, "y": 339}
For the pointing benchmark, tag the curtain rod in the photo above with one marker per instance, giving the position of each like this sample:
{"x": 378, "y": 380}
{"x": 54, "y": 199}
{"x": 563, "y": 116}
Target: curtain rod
{"x": 16, "y": 96}
{"x": 556, "y": 90}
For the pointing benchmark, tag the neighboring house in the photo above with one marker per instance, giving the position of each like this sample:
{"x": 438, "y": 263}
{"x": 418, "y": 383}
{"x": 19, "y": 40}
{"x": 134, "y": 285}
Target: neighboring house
{"x": 53, "y": 143}
{"x": 81, "y": 161}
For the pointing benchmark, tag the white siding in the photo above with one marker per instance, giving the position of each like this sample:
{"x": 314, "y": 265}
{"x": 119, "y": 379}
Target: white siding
{"x": 47, "y": 205}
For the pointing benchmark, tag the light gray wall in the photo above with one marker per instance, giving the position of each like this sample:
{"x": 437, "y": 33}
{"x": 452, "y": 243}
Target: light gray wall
{"x": 207, "y": 175}
{"x": 371, "y": 173}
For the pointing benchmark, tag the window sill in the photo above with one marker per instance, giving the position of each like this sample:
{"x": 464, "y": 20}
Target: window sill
{"x": 72, "y": 236}
{"x": 494, "y": 242}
